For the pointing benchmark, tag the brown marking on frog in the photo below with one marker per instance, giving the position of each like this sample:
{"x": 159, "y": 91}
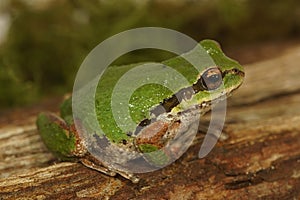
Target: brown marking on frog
{"x": 174, "y": 127}
{"x": 158, "y": 134}
{"x": 153, "y": 134}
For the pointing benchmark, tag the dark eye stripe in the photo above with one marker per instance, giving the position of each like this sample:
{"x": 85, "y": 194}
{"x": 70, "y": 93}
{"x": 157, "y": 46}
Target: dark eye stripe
{"x": 168, "y": 104}
{"x": 187, "y": 93}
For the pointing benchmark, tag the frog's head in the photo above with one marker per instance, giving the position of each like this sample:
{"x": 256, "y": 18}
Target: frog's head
{"x": 227, "y": 71}
{"x": 215, "y": 82}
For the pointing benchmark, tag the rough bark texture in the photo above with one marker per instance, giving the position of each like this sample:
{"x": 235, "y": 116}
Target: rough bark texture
{"x": 259, "y": 160}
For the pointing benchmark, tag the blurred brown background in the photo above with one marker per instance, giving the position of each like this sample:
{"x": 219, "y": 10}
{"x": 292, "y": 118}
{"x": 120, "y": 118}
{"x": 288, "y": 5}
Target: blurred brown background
{"x": 43, "y": 42}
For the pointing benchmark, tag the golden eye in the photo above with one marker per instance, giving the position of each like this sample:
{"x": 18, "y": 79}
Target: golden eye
{"x": 211, "y": 79}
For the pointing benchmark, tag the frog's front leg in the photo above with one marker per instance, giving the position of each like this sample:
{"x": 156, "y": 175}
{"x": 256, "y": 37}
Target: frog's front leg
{"x": 168, "y": 137}
{"x": 164, "y": 139}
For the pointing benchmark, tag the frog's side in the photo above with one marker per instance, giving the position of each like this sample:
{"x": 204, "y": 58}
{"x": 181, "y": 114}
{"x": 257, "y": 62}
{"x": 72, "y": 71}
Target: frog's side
{"x": 175, "y": 117}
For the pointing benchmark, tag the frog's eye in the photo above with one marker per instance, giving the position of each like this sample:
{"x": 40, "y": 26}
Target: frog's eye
{"x": 211, "y": 79}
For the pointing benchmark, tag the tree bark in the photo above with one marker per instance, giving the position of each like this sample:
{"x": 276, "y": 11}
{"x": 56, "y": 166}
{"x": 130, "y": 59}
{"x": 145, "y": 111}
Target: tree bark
{"x": 260, "y": 159}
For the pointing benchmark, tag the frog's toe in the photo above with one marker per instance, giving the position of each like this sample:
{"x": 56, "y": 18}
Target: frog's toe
{"x": 88, "y": 163}
{"x": 99, "y": 166}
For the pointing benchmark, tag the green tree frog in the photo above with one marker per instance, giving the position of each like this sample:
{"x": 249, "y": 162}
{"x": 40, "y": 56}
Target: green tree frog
{"x": 159, "y": 114}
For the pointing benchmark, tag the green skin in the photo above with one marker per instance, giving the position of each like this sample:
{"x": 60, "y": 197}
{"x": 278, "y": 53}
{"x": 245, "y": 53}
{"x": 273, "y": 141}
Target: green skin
{"x": 61, "y": 138}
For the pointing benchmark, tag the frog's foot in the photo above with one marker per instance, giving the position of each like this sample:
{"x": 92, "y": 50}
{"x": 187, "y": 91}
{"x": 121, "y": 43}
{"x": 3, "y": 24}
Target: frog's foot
{"x": 133, "y": 178}
{"x": 98, "y": 166}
